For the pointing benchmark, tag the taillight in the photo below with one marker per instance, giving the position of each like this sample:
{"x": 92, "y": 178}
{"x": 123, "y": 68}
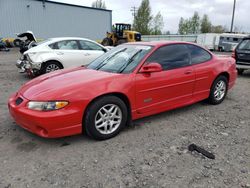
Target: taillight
{"x": 233, "y": 54}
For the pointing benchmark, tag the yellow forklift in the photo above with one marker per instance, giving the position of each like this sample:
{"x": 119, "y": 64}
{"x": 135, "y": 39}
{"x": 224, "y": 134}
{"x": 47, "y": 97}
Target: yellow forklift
{"x": 121, "y": 33}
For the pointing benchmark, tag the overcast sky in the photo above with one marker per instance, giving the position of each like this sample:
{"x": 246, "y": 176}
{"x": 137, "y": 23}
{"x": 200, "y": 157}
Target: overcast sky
{"x": 219, "y": 11}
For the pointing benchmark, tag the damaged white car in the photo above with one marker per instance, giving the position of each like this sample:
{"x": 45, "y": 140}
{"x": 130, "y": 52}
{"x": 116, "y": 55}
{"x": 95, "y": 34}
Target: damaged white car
{"x": 59, "y": 53}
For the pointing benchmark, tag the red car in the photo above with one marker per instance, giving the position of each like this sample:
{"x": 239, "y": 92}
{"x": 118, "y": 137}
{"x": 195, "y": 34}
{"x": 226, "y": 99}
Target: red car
{"x": 129, "y": 82}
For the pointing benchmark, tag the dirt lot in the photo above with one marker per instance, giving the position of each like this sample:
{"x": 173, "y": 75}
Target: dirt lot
{"x": 150, "y": 153}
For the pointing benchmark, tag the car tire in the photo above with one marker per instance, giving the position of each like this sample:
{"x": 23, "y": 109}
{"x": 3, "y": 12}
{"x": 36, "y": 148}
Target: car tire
{"x": 50, "y": 66}
{"x": 105, "y": 117}
{"x": 240, "y": 71}
{"x": 107, "y": 42}
{"x": 218, "y": 90}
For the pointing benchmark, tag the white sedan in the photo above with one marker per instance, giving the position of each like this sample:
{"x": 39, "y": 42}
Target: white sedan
{"x": 59, "y": 53}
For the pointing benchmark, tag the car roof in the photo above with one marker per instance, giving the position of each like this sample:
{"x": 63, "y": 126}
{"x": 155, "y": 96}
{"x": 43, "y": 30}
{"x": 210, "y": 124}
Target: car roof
{"x": 68, "y": 38}
{"x": 161, "y": 43}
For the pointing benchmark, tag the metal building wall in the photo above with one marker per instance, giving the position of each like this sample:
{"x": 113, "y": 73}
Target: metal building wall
{"x": 186, "y": 38}
{"x": 52, "y": 19}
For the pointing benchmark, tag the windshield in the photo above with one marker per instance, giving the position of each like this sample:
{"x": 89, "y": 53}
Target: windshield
{"x": 121, "y": 59}
{"x": 244, "y": 45}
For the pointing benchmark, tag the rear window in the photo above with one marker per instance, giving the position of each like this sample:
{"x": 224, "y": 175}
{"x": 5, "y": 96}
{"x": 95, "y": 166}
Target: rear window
{"x": 198, "y": 55}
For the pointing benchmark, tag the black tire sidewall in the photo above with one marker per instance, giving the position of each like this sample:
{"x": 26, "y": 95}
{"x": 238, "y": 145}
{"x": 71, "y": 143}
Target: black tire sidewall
{"x": 107, "y": 42}
{"x": 240, "y": 71}
{"x": 89, "y": 119}
{"x": 212, "y": 99}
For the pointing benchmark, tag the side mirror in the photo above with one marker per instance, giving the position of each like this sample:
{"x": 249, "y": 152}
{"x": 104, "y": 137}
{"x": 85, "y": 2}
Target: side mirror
{"x": 105, "y": 50}
{"x": 151, "y": 67}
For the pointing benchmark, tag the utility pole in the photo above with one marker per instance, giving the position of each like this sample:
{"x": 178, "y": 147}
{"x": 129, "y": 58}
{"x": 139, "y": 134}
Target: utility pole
{"x": 232, "y": 23}
{"x": 134, "y": 11}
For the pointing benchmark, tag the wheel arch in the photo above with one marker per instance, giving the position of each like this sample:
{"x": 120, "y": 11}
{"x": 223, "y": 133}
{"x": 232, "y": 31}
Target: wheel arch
{"x": 121, "y": 96}
{"x": 226, "y": 74}
{"x": 52, "y": 60}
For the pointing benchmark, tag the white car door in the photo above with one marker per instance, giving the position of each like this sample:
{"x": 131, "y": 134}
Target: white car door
{"x": 90, "y": 51}
{"x": 68, "y": 53}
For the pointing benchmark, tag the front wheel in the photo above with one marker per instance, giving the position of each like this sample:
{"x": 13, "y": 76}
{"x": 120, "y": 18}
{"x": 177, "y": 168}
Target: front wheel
{"x": 107, "y": 42}
{"x": 105, "y": 117}
{"x": 218, "y": 90}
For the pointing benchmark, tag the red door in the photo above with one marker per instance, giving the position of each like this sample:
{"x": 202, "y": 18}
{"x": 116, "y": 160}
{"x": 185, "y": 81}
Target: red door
{"x": 164, "y": 90}
{"x": 170, "y": 88}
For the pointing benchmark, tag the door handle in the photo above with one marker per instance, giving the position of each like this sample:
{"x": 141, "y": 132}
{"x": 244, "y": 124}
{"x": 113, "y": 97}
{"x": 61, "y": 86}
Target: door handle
{"x": 59, "y": 53}
{"x": 188, "y": 72}
{"x": 87, "y": 54}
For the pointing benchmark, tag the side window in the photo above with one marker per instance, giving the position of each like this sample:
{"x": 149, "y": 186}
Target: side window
{"x": 171, "y": 56}
{"x": 86, "y": 45}
{"x": 198, "y": 55}
{"x": 53, "y": 46}
{"x": 65, "y": 45}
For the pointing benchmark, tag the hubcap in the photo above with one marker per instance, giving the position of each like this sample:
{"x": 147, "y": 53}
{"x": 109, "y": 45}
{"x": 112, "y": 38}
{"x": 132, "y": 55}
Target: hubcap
{"x": 108, "y": 119}
{"x": 220, "y": 90}
{"x": 52, "y": 67}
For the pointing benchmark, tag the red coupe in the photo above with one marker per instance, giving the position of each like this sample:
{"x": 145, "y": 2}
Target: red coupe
{"x": 129, "y": 82}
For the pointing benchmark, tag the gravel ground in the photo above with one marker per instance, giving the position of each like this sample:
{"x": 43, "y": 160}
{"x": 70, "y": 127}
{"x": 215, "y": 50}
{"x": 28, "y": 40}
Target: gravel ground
{"x": 150, "y": 153}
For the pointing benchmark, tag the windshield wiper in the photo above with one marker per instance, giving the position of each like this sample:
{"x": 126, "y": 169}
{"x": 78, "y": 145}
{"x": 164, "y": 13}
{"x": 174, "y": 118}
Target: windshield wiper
{"x": 108, "y": 58}
{"x": 129, "y": 61}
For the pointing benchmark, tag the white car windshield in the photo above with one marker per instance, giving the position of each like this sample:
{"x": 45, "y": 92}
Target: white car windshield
{"x": 121, "y": 59}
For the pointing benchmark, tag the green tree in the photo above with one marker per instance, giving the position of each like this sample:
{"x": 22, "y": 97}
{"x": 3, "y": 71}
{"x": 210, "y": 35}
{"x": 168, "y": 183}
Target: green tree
{"x": 206, "y": 25}
{"x": 185, "y": 26}
{"x": 190, "y": 25}
{"x": 218, "y": 29}
{"x": 157, "y": 24}
{"x": 143, "y": 18}
{"x": 181, "y": 29}
{"x": 195, "y": 23}
{"x": 99, "y": 4}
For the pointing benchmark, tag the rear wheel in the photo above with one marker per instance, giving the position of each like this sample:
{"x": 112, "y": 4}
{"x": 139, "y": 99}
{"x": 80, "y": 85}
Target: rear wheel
{"x": 218, "y": 91}
{"x": 240, "y": 71}
{"x": 105, "y": 117}
{"x": 51, "y": 66}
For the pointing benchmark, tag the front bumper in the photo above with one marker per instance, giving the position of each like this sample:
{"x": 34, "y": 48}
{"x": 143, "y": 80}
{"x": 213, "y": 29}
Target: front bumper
{"x": 242, "y": 65}
{"x": 51, "y": 124}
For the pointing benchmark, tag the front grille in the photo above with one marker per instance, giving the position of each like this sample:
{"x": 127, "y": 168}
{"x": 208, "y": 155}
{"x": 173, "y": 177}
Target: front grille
{"x": 19, "y": 100}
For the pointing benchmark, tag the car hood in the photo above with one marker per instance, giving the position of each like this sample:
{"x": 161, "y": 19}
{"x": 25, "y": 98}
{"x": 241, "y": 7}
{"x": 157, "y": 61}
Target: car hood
{"x": 64, "y": 84}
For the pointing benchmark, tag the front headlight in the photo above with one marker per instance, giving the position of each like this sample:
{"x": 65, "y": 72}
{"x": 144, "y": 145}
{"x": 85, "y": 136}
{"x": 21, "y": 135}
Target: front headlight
{"x": 46, "y": 106}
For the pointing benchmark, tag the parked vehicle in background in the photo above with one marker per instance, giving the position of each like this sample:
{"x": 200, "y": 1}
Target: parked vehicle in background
{"x": 208, "y": 40}
{"x": 25, "y": 41}
{"x": 121, "y": 33}
{"x": 242, "y": 55}
{"x": 219, "y": 42}
{"x": 59, "y": 53}
{"x": 3, "y": 46}
{"x": 131, "y": 81}
{"x": 228, "y": 41}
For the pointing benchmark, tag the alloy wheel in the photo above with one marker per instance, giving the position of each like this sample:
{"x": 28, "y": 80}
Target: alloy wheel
{"x": 108, "y": 119}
